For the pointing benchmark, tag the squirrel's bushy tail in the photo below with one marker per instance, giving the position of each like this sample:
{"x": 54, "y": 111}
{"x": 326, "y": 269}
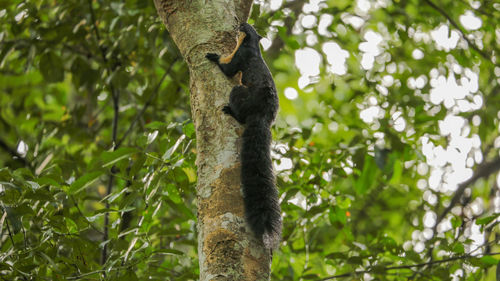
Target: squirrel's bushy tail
{"x": 260, "y": 195}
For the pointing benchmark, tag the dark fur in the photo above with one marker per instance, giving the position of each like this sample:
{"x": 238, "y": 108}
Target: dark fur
{"x": 255, "y": 104}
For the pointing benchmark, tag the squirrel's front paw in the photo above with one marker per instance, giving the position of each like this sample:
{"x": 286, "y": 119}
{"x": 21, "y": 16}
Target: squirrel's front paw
{"x": 213, "y": 57}
{"x": 227, "y": 110}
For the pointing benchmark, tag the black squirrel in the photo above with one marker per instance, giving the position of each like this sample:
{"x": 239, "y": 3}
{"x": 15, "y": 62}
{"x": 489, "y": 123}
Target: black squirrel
{"x": 254, "y": 103}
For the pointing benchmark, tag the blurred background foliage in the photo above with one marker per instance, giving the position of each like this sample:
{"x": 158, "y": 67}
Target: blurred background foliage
{"x": 386, "y": 146}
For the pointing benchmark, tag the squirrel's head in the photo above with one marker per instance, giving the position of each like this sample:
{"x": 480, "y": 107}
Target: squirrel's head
{"x": 252, "y": 37}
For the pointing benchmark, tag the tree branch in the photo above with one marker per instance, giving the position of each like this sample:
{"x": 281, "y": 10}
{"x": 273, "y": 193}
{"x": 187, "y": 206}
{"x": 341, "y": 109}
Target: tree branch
{"x": 96, "y": 30}
{"x": 278, "y": 44}
{"x": 115, "y": 95}
{"x": 464, "y": 36}
{"x": 479, "y": 10}
{"x": 242, "y": 9}
{"x": 462, "y": 257}
{"x": 109, "y": 188}
{"x": 147, "y": 104}
{"x": 484, "y": 170}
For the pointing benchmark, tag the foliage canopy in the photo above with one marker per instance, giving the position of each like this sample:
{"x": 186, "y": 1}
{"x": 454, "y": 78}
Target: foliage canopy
{"x": 386, "y": 145}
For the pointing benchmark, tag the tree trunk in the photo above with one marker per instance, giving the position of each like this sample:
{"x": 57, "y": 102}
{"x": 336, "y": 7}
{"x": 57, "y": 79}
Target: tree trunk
{"x": 227, "y": 249}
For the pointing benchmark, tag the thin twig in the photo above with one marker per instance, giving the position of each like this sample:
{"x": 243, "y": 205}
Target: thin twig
{"x": 8, "y": 228}
{"x": 104, "y": 271}
{"x": 81, "y": 214}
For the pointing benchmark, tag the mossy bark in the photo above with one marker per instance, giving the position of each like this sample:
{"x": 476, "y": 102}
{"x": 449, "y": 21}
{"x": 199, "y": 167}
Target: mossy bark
{"x": 227, "y": 249}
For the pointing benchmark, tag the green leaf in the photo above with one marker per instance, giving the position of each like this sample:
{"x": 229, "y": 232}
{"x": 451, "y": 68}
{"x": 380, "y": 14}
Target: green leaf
{"x": 367, "y": 178}
{"x": 137, "y": 165}
{"x": 172, "y": 149}
{"x": 14, "y": 219}
{"x": 489, "y": 260}
{"x": 119, "y": 79}
{"x": 188, "y": 130}
{"x": 498, "y": 272}
{"x": 173, "y": 193}
{"x": 442, "y": 273}
{"x": 10, "y": 193}
{"x": 182, "y": 208}
{"x": 84, "y": 181}
{"x": 338, "y": 215}
{"x": 169, "y": 252}
{"x": 293, "y": 44}
{"x": 355, "y": 260}
{"x": 411, "y": 255}
{"x": 51, "y": 67}
{"x": 397, "y": 172}
{"x": 33, "y": 185}
{"x": 71, "y": 225}
{"x": 47, "y": 181}
{"x": 156, "y": 125}
{"x": 378, "y": 269}
{"x": 336, "y": 255}
{"x": 191, "y": 174}
{"x": 83, "y": 74}
{"x": 456, "y": 222}
{"x": 112, "y": 197}
{"x": 459, "y": 248}
{"x": 475, "y": 262}
{"x": 23, "y": 210}
{"x": 129, "y": 275}
{"x": 5, "y": 174}
{"x": 111, "y": 157}
{"x": 487, "y": 220}
{"x": 343, "y": 202}
{"x": 104, "y": 210}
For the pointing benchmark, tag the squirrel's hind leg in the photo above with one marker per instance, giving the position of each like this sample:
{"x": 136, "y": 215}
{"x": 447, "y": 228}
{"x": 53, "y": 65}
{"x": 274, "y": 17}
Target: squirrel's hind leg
{"x": 236, "y": 104}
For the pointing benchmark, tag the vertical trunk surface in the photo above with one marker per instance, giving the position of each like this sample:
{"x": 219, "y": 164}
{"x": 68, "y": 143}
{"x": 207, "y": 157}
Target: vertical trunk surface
{"x": 226, "y": 248}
